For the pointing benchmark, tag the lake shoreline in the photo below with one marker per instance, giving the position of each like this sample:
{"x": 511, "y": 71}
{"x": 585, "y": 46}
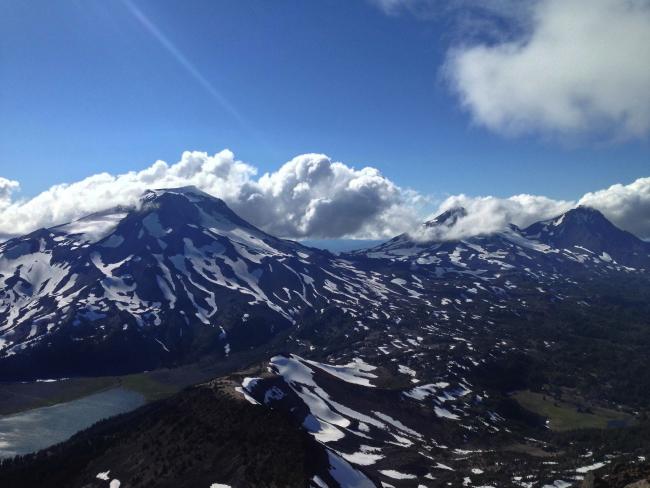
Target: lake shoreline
{"x": 35, "y": 429}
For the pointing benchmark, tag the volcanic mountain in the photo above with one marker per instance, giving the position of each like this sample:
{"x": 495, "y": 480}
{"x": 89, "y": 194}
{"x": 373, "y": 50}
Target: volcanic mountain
{"x": 176, "y": 276}
{"x": 586, "y": 229}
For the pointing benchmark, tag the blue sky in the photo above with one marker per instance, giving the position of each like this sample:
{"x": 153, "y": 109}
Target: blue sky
{"x": 85, "y": 87}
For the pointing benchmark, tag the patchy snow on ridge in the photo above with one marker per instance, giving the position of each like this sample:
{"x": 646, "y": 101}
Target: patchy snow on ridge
{"x": 356, "y": 372}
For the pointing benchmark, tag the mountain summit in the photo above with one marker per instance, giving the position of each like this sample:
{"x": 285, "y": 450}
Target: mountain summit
{"x": 587, "y": 228}
{"x": 447, "y": 218}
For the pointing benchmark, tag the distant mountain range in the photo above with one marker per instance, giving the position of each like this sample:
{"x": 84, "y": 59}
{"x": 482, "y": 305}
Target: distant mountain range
{"x": 582, "y": 235}
{"x": 181, "y": 275}
{"x": 421, "y": 361}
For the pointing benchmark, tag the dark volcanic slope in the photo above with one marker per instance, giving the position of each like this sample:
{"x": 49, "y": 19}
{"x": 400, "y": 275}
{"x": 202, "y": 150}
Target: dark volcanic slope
{"x": 199, "y": 437}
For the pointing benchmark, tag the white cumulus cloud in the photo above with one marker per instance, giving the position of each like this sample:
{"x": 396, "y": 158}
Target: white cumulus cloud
{"x": 626, "y": 206}
{"x": 581, "y": 69}
{"x": 313, "y": 196}
{"x": 309, "y": 196}
{"x": 489, "y": 214}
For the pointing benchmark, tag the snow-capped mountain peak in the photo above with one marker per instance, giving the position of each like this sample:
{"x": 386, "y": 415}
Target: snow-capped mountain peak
{"x": 448, "y": 218}
{"x": 585, "y": 229}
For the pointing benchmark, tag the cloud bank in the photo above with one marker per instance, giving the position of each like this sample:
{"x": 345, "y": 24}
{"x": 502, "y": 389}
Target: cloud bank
{"x": 310, "y": 196}
{"x": 626, "y": 206}
{"x": 579, "y": 69}
{"x": 487, "y": 215}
